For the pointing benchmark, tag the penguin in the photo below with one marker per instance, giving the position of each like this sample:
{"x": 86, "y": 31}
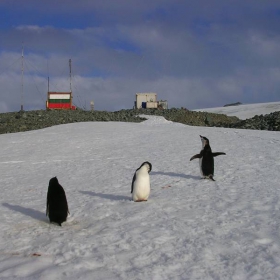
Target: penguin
{"x": 206, "y": 159}
{"x": 57, "y": 206}
{"x": 140, "y": 186}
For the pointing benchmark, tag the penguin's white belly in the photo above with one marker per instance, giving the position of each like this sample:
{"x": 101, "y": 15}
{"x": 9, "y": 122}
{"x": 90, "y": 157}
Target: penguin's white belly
{"x": 141, "y": 187}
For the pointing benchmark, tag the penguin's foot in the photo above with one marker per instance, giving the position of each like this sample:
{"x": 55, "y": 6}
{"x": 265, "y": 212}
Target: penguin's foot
{"x": 210, "y": 177}
{"x": 140, "y": 200}
{"x": 56, "y": 222}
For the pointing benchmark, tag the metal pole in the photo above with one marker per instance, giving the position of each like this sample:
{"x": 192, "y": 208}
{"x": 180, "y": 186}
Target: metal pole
{"x": 70, "y": 75}
{"x": 71, "y": 97}
{"x": 22, "y": 70}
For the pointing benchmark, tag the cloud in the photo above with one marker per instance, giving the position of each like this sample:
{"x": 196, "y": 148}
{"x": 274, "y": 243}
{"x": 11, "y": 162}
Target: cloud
{"x": 192, "y": 53}
{"x": 119, "y": 93}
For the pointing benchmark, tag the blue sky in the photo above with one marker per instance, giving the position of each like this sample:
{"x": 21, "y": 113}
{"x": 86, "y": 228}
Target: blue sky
{"x": 194, "y": 54}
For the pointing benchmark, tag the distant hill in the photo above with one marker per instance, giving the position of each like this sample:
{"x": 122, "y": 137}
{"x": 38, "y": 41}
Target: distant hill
{"x": 244, "y": 111}
{"x": 233, "y": 104}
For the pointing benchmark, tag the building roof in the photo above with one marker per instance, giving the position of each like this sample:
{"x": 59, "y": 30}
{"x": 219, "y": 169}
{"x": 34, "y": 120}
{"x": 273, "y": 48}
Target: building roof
{"x": 59, "y": 92}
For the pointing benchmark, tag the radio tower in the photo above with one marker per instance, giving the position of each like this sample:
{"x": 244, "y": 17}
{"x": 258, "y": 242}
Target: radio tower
{"x": 22, "y": 69}
{"x": 70, "y": 67}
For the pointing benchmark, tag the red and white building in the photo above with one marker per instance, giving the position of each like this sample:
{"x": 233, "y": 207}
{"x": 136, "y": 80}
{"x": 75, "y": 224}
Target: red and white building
{"x": 60, "y": 100}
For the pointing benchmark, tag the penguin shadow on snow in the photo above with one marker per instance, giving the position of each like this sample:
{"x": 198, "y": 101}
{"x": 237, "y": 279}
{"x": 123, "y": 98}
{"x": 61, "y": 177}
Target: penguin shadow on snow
{"x": 106, "y": 196}
{"x": 173, "y": 174}
{"x": 37, "y": 215}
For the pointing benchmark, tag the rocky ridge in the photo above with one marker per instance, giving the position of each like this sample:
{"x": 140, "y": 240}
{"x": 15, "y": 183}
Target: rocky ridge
{"x": 33, "y": 120}
{"x": 269, "y": 122}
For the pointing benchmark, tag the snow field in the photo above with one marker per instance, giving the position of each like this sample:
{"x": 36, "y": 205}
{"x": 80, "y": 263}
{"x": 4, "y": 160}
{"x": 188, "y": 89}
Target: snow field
{"x": 189, "y": 228}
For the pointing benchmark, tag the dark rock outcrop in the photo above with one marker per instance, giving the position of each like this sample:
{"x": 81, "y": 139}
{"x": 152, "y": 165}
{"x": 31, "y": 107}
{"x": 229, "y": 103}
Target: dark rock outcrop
{"x": 33, "y": 120}
{"x": 233, "y": 104}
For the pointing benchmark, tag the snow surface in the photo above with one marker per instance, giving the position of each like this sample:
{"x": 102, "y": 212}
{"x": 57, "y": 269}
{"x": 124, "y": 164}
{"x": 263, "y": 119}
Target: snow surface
{"x": 189, "y": 228}
{"x": 245, "y": 111}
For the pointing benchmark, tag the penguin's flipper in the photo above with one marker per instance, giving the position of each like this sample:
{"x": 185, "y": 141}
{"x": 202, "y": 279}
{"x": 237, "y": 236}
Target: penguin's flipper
{"x": 196, "y": 156}
{"x": 67, "y": 206}
{"x": 133, "y": 180}
{"x": 47, "y": 209}
{"x": 218, "y": 154}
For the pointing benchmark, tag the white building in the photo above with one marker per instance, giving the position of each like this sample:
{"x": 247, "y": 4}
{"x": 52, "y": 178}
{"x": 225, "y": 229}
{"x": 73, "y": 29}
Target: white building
{"x": 146, "y": 100}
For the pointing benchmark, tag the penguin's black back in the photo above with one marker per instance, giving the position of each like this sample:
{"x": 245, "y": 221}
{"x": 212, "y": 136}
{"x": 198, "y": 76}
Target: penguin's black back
{"x": 57, "y": 206}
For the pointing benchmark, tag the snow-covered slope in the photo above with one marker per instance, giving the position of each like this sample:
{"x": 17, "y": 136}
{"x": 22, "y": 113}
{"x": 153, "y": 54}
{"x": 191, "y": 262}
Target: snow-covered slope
{"x": 189, "y": 228}
{"x": 245, "y": 111}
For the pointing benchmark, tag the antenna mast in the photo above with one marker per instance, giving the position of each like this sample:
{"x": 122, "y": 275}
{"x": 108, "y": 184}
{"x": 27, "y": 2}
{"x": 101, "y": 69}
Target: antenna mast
{"x": 71, "y": 97}
{"x": 70, "y": 76}
{"x": 22, "y": 70}
{"x": 48, "y": 76}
